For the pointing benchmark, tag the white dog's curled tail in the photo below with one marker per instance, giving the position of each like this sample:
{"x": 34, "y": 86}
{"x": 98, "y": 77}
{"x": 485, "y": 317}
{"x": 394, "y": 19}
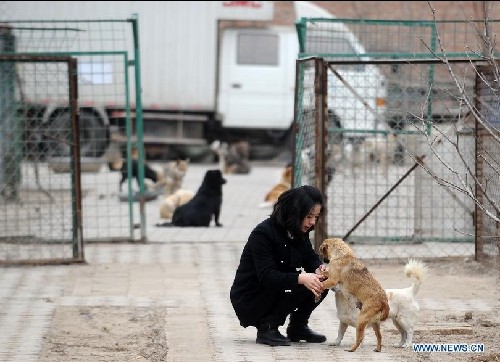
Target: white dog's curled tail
{"x": 418, "y": 270}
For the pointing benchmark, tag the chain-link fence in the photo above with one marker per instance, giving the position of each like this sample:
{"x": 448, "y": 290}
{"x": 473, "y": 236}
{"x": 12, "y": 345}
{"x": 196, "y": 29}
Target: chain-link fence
{"x": 103, "y": 50}
{"x": 40, "y": 213}
{"x": 400, "y": 137}
{"x": 488, "y": 164}
{"x": 311, "y": 138}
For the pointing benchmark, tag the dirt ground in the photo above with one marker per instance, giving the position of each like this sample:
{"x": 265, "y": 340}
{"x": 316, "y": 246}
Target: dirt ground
{"x": 466, "y": 309}
{"x": 469, "y": 295}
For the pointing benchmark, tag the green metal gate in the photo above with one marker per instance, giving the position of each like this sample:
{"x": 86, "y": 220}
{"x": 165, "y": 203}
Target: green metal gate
{"x": 40, "y": 216}
{"x": 108, "y": 73}
{"x": 398, "y": 131}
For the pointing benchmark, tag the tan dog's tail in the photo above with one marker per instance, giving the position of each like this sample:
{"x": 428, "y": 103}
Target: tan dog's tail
{"x": 418, "y": 270}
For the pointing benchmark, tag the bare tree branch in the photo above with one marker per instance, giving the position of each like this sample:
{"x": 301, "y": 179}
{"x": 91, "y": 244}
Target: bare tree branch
{"x": 466, "y": 181}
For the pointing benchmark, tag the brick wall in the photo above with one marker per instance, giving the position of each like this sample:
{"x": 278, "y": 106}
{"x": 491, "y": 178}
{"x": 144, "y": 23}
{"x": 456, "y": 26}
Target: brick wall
{"x": 407, "y": 10}
{"x": 382, "y": 10}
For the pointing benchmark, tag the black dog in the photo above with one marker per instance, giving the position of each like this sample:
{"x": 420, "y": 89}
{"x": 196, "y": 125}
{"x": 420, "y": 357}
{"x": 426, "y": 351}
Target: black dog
{"x": 206, "y": 202}
{"x": 149, "y": 173}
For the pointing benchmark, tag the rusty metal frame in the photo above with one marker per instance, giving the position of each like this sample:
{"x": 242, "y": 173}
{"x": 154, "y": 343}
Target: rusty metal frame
{"x": 77, "y": 242}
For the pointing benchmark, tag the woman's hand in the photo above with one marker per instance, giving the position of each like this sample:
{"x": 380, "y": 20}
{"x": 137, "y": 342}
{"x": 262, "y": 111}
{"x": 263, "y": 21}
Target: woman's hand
{"x": 312, "y": 282}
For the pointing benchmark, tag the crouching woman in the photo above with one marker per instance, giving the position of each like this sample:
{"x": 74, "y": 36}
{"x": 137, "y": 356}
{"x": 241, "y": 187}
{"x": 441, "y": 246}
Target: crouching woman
{"x": 279, "y": 274}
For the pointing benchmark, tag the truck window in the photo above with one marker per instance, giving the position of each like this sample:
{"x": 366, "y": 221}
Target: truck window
{"x": 95, "y": 73}
{"x": 258, "y": 49}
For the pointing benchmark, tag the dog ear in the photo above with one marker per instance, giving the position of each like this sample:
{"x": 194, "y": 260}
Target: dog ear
{"x": 322, "y": 249}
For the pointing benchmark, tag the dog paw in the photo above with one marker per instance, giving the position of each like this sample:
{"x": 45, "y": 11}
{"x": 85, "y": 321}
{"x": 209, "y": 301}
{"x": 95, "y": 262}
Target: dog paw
{"x": 218, "y": 224}
{"x": 336, "y": 343}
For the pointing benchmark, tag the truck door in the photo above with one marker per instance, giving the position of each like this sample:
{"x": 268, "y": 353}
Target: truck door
{"x": 257, "y": 78}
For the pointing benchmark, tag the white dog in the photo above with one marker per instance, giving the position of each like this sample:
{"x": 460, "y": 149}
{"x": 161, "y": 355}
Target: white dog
{"x": 173, "y": 201}
{"x": 372, "y": 152}
{"x": 233, "y": 158}
{"x": 334, "y": 154}
{"x": 402, "y": 303}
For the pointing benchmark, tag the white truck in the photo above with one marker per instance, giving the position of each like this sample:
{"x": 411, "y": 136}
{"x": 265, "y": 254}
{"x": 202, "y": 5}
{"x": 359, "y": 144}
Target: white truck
{"x": 200, "y": 81}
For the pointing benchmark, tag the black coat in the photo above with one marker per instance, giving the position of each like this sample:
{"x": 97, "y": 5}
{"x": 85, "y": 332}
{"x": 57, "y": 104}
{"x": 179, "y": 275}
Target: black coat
{"x": 270, "y": 264}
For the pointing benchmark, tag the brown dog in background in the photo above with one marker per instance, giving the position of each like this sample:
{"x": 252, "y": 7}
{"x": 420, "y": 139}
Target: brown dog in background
{"x": 284, "y": 184}
{"x": 353, "y": 275}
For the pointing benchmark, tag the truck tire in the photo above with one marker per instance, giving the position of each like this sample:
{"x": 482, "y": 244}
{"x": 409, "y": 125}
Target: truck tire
{"x": 277, "y": 136}
{"x": 56, "y": 135}
{"x": 34, "y": 147}
{"x": 94, "y": 135}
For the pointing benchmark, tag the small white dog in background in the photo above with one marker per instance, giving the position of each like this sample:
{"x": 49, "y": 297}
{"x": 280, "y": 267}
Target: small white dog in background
{"x": 173, "y": 201}
{"x": 234, "y": 158}
{"x": 403, "y": 306}
{"x": 334, "y": 155}
{"x": 372, "y": 152}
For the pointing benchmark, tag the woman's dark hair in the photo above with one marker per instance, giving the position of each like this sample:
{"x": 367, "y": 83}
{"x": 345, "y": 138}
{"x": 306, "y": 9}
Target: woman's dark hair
{"x": 293, "y": 206}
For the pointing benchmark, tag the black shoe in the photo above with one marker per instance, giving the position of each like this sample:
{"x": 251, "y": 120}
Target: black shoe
{"x": 272, "y": 337}
{"x": 304, "y": 333}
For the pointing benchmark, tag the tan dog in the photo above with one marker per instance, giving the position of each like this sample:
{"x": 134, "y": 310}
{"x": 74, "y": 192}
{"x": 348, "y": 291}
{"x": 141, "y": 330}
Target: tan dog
{"x": 352, "y": 274}
{"x": 403, "y": 306}
{"x": 283, "y": 185}
{"x": 173, "y": 201}
{"x": 174, "y": 173}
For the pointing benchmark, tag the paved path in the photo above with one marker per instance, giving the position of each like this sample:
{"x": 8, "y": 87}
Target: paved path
{"x": 188, "y": 271}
